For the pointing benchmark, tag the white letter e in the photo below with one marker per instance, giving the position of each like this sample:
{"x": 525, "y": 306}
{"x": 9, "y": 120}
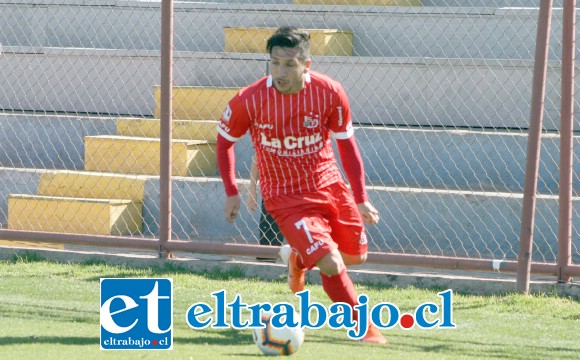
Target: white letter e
{"x": 107, "y": 316}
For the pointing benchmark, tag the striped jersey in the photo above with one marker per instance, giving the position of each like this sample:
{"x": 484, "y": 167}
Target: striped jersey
{"x": 291, "y": 133}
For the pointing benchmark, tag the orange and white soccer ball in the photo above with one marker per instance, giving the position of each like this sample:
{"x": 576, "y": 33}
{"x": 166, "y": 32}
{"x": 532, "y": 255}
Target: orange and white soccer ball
{"x": 277, "y": 341}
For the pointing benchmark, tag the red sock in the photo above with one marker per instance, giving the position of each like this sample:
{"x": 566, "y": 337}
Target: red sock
{"x": 340, "y": 288}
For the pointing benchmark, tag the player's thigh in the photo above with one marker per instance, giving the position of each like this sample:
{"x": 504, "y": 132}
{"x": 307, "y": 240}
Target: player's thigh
{"x": 308, "y": 233}
{"x": 347, "y": 227}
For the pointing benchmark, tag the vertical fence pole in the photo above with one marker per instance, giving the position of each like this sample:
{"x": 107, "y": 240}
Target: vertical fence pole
{"x": 566, "y": 140}
{"x": 533, "y": 150}
{"x": 165, "y": 118}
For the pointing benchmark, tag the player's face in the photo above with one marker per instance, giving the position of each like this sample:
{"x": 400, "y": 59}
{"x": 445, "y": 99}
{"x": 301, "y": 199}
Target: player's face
{"x": 287, "y": 69}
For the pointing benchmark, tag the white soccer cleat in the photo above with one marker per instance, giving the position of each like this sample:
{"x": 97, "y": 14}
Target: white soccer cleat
{"x": 284, "y": 253}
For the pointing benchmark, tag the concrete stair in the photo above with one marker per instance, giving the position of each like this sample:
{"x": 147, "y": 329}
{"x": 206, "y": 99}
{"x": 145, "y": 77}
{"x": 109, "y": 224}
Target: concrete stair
{"x": 474, "y": 160}
{"x": 383, "y": 91}
{"x": 73, "y": 215}
{"x": 413, "y": 220}
{"x": 107, "y": 198}
{"x": 323, "y": 42}
{"x": 137, "y": 155}
{"x": 91, "y": 185}
{"x": 182, "y": 129}
{"x": 80, "y": 202}
{"x": 197, "y": 102}
{"x": 495, "y": 29}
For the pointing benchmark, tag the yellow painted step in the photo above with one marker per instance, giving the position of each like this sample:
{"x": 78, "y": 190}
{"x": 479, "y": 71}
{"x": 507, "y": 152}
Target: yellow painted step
{"x": 136, "y": 155}
{"x": 197, "y": 102}
{"x": 360, "y": 2}
{"x": 327, "y": 42}
{"x": 94, "y": 185}
{"x": 74, "y": 215}
{"x": 182, "y": 129}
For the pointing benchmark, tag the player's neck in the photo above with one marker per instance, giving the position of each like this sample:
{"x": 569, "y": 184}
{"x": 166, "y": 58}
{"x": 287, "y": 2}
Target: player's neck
{"x": 291, "y": 92}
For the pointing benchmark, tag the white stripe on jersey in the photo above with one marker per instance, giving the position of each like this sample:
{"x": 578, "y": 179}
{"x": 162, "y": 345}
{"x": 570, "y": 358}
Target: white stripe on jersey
{"x": 223, "y": 133}
{"x": 342, "y": 135}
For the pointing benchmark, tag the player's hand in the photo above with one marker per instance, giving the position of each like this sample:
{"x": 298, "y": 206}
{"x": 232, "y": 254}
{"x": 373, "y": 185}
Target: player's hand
{"x": 252, "y": 201}
{"x": 369, "y": 214}
{"x": 231, "y": 207}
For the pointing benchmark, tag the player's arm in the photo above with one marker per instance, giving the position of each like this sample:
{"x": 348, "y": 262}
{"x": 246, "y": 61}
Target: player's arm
{"x": 354, "y": 169}
{"x": 342, "y": 130}
{"x": 233, "y": 125}
{"x": 226, "y": 160}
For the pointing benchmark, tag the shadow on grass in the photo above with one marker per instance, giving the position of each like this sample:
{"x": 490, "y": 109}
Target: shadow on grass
{"x": 16, "y": 310}
{"x": 230, "y": 273}
{"x": 470, "y": 348}
{"x": 215, "y": 273}
{"x": 166, "y": 270}
{"x": 27, "y": 257}
{"x": 64, "y": 340}
{"x": 229, "y": 337}
{"x": 235, "y": 272}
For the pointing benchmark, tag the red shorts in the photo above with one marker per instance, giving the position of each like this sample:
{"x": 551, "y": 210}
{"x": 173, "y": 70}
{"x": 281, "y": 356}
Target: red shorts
{"x": 315, "y": 223}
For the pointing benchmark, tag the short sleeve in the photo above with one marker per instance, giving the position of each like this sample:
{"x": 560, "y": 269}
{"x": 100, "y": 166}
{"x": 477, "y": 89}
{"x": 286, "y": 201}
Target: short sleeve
{"x": 234, "y": 122}
{"x": 340, "y": 119}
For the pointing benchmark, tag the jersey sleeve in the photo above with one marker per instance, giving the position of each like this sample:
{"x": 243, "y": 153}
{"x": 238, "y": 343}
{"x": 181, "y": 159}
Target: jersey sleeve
{"x": 226, "y": 160}
{"x": 235, "y": 121}
{"x": 353, "y": 167}
{"x": 340, "y": 118}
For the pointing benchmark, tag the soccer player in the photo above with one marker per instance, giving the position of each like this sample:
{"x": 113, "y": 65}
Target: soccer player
{"x": 291, "y": 116}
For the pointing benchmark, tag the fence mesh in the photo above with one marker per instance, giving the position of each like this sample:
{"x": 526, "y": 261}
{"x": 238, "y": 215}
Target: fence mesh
{"x": 440, "y": 94}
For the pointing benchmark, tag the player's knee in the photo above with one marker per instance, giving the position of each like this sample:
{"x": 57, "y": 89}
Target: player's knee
{"x": 362, "y": 258}
{"x": 331, "y": 263}
{"x": 354, "y": 259}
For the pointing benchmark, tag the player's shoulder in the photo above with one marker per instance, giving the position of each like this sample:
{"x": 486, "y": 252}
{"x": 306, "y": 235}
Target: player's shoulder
{"x": 322, "y": 80}
{"x": 253, "y": 88}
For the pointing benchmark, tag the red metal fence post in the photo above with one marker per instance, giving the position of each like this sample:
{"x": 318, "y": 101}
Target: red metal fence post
{"x": 533, "y": 150}
{"x": 166, "y": 115}
{"x": 566, "y": 140}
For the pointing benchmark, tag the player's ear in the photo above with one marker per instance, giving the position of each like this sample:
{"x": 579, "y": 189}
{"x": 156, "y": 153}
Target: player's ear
{"x": 307, "y": 64}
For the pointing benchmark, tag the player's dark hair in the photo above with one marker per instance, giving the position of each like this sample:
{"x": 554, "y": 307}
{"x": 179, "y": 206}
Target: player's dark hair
{"x": 290, "y": 37}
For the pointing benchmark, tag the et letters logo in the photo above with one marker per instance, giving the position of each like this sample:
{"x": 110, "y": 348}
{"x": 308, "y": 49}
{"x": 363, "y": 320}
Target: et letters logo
{"x": 136, "y": 314}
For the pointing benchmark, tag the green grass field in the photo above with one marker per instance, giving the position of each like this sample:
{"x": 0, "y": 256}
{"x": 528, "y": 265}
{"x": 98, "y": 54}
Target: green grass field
{"x": 51, "y": 311}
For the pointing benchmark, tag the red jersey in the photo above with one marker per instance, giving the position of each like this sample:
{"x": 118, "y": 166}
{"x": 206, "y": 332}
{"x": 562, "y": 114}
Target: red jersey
{"x": 291, "y": 133}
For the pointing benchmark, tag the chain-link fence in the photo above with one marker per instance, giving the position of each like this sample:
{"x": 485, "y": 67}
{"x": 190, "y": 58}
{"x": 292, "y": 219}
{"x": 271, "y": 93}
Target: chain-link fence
{"x": 440, "y": 93}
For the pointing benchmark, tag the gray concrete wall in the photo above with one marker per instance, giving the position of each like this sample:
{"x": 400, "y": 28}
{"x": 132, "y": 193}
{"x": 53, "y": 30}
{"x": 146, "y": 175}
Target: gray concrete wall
{"x": 439, "y": 65}
{"x": 435, "y": 222}
{"x": 458, "y": 159}
{"x": 488, "y": 3}
{"x": 382, "y": 91}
{"x": 425, "y": 3}
{"x": 108, "y": 81}
{"x": 449, "y": 32}
{"x": 443, "y": 92}
{"x": 48, "y": 141}
{"x": 16, "y": 181}
{"x": 462, "y": 223}
{"x": 444, "y": 159}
